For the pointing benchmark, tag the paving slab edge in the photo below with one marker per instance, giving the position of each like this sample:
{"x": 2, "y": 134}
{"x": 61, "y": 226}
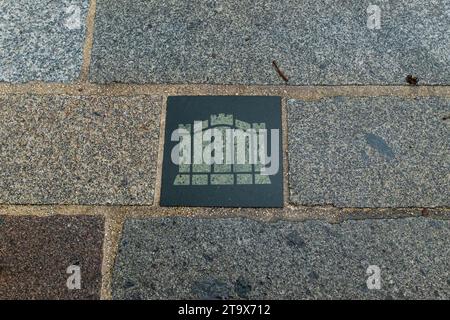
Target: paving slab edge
{"x": 294, "y": 92}
{"x": 89, "y": 41}
{"x": 115, "y": 217}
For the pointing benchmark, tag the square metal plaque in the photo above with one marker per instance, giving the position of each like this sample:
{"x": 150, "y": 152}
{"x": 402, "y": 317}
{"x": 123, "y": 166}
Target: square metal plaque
{"x": 223, "y": 151}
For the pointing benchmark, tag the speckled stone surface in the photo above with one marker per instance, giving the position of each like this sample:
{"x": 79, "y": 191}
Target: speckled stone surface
{"x": 78, "y": 150}
{"x": 41, "y": 40}
{"x": 35, "y": 253}
{"x": 188, "y": 258}
{"x": 369, "y": 152}
{"x": 312, "y": 41}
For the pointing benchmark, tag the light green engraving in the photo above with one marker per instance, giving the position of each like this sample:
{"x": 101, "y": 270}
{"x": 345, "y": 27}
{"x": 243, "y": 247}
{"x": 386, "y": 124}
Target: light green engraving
{"x": 221, "y": 119}
{"x": 201, "y": 168}
{"x": 222, "y": 174}
{"x": 181, "y": 180}
{"x": 242, "y": 125}
{"x": 200, "y": 179}
{"x": 222, "y": 168}
{"x": 244, "y": 178}
{"x": 243, "y": 167}
{"x": 259, "y": 179}
{"x": 184, "y": 168}
{"x": 222, "y": 179}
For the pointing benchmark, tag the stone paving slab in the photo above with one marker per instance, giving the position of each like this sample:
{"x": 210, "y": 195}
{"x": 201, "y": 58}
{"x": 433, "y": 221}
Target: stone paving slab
{"x": 35, "y": 253}
{"x": 369, "y": 152}
{"x": 78, "y": 150}
{"x": 235, "y": 42}
{"x": 42, "y": 40}
{"x": 178, "y": 258}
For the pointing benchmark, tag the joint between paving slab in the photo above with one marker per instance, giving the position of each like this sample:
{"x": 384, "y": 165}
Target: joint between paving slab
{"x": 292, "y": 212}
{"x": 88, "y": 43}
{"x": 113, "y": 232}
{"x": 291, "y": 92}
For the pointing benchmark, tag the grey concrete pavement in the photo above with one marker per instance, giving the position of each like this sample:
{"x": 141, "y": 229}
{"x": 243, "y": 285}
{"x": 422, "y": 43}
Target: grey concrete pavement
{"x": 187, "y": 258}
{"x": 234, "y": 42}
{"x": 78, "y": 150}
{"x": 369, "y": 152}
{"x": 42, "y": 40}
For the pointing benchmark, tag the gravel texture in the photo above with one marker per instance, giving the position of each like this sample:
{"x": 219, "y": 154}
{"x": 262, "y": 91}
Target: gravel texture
{"x": 189, "y": 258}
{"x": 35, "y": 253}
{"x": 235, "y": 42}
{"x": 42, "y": 40}
{"x": 78, "y": 150}
{"x": 369, "y": 152}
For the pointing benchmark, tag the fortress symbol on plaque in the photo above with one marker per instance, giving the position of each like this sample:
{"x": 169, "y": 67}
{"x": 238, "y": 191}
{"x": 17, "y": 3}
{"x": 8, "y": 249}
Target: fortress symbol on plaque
{"x": 221, "y": 150}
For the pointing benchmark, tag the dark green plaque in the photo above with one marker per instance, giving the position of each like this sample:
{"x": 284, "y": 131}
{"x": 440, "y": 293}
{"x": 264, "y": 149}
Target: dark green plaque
{"x": 223, "y": 151}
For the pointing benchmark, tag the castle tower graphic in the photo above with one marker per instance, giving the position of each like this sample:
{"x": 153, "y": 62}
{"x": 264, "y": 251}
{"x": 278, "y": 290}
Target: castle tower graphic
{"x": 221, "y": 174}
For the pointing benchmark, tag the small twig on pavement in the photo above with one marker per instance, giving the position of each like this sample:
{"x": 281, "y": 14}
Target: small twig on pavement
{"x": 280, "y": 73}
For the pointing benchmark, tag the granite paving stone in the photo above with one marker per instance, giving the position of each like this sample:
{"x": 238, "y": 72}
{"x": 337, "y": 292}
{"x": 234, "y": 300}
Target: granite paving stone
{"x": 236, "y": 41}
{"x": 369, "y": 152}
{"x": 42, "y": 40}
{"x": 36, "y": 252}
{"x": 78, "y": 149}
{"x": 189, "y": 258}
